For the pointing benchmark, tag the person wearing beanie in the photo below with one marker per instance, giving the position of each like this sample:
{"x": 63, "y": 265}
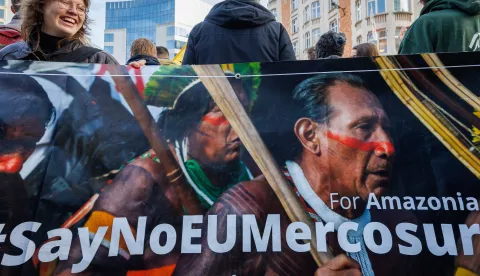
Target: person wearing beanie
{"x": 330, "y": 44}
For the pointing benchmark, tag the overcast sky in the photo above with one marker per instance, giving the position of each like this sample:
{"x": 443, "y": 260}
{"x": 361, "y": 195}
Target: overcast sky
{"x": 97, "y": 13}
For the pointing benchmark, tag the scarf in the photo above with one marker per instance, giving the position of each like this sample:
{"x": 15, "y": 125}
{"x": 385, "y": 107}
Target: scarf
{"x": 319, "y": 211}
{"x": 207, "y": 189}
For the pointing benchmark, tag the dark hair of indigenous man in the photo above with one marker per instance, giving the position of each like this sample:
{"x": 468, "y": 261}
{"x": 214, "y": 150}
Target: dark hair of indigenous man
{"x": 331, "y": 134}
{"x": 143, "y": 49}
{"x": 25, "y": 112}
{"x": 208, "y": 151}
{"x": 162, "y": 53}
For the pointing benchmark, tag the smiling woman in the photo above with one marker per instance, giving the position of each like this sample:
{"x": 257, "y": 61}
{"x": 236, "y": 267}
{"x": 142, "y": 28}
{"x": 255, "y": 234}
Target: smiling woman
{"x": 55, "y": 30}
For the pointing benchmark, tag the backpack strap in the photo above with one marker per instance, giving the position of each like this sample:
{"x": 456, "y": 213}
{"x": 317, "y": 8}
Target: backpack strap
{"x": 78, "y": 55}
{"x": 5, "y": 27}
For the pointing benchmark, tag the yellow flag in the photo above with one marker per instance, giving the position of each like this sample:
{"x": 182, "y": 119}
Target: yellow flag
{"x": 179, "y": 57}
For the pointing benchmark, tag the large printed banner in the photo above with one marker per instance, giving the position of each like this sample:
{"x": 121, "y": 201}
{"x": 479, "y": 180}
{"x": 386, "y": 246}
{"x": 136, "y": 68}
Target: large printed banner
{"x": 367, "y": 165}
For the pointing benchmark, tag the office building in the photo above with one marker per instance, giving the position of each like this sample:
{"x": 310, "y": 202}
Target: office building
{"x": 376, "y": 21}
{"x": 6, "y": 13}
{"x": 165, "y": 22}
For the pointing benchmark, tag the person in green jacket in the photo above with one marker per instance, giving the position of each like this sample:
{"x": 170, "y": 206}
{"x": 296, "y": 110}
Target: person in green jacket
{"x": 444, "y": 26}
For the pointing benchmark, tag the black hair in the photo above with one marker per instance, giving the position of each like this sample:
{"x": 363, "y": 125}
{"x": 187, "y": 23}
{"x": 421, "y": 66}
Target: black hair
{"x": 330, "y": 44}
{"x": 188, "y": 110}
{"x": 23, "y": 85}
{"x": 309, "y": 99}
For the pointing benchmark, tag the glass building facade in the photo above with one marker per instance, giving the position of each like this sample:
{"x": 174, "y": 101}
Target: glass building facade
{"x": 3, "y": 6}
{"x": 139, "y": 18}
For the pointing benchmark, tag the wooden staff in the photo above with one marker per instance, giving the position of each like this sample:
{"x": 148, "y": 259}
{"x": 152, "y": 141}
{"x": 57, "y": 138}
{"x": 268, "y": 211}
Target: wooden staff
{"x": 175, "y": 176}
{"x": 79, "y": 215}
{"x": 226, "y": 99}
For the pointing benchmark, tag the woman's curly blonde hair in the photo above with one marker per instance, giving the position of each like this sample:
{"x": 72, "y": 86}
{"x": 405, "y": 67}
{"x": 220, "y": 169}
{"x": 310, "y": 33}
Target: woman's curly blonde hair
{"x": 32, "y": 19}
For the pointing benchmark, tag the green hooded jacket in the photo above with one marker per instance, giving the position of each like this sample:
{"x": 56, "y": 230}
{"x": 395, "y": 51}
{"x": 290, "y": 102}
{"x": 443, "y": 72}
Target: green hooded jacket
{"x": 444, "y": 26}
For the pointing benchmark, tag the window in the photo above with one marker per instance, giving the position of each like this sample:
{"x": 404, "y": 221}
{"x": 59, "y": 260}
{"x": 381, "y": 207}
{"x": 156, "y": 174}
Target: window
{"x": 294, "y": 5}
{"x": 108, "y": 49}
{"x": 401, "y": 5}
{"x": 375, "y": 7}
{"x": 295, "y": 48}
{"x": 359, "y": 39}
{"x": 371, "y": 38}
{"x": 181, "y": 32}
{"x": 175, "y": 44}
{"x": 334, "y": 26}
{"x": 2, "y": 2}
{"x": 294, "y": 26}
{"x": 315, "y": 10}
{"x": 333, "y": 4}
{"x": 358, "y": 10}
{"x": 315, "y": 35}
{"x": 371, "y": 7}
{"x": 108, "y": 37}
{"x": 307, "y": 40}
{"x": 170, "y": 30}
{"x": 382, "y": 41}
{"x": 306, "y": 14}
{"x": 274, "y": 12}
{"x": 2, "y": 14}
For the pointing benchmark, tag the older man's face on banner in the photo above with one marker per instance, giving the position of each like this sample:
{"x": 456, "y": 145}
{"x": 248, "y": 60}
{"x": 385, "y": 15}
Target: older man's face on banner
{"x": 358, "y": 147}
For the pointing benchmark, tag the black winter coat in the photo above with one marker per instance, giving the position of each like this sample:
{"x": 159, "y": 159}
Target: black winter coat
{"x": 149, "y": 60}
{"x": 22, "y": 51}
{"x": 238, "y": 31}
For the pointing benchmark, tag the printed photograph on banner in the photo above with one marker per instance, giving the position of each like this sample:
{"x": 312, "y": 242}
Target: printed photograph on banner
{"x": 384, "y": 159}
{"x": 365, "y": 165}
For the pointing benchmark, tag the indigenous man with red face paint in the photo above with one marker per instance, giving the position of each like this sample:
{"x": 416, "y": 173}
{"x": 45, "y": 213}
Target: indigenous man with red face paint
{"x": 333, "y": 138}
{"x": 25, "y": 111}
{"x": 208, "y": 151}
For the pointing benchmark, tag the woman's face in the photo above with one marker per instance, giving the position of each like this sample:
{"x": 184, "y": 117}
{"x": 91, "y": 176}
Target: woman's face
{"x": 63, "y": 18}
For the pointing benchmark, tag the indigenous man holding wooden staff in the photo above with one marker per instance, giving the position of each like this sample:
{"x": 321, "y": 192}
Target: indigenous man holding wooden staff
{"x": 332, "y": 138}
{"x": 208, "y": 152}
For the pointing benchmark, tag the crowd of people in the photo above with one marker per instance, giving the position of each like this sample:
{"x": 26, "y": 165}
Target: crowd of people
{"x": 56, "y": 30}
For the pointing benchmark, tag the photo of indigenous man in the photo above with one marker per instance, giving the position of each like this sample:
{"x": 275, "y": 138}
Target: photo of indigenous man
{"x": 25, "y": 112}
{"x": 332, "y": 136}
{"x": 208, "y": 151}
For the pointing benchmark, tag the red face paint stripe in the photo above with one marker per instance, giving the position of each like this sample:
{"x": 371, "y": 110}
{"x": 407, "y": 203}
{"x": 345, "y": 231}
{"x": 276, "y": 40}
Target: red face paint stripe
{"x": 11, "y": 163}
{"x": 215, "y": 120}
{"x": 385, "y": 146}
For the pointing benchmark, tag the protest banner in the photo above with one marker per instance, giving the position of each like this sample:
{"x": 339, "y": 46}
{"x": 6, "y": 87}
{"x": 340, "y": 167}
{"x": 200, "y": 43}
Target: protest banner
{"x": 241, "y": 169}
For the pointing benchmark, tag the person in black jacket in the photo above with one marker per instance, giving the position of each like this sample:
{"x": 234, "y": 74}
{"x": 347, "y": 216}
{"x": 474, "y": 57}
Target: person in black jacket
{"x": 238, "y": 31}
{"x": 143, "y": 49}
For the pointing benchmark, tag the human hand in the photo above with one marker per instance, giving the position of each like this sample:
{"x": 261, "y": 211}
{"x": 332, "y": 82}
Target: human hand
{"x": 137, "y": 64}
{"x": 341, "y": 265}
{"x": 470, "y": 262}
